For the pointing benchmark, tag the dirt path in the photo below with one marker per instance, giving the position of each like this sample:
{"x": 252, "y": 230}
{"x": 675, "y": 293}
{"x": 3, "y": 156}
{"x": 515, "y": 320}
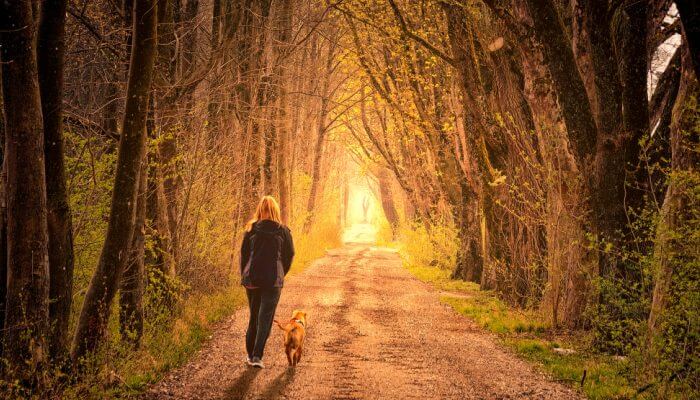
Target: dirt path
{"x": 374, "y": 332}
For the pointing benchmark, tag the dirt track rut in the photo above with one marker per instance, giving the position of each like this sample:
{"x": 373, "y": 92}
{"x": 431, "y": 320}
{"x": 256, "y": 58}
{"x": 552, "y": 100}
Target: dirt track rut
{"x": 374, "y": 332}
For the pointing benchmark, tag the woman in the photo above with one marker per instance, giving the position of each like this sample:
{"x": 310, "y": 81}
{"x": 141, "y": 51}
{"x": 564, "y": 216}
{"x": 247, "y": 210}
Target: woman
{"x": 266, "y": 256}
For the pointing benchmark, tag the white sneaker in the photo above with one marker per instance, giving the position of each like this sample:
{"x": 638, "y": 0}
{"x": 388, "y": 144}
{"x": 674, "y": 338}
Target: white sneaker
{"x": 248, "y": 361}
{"x": 257, "y": 363}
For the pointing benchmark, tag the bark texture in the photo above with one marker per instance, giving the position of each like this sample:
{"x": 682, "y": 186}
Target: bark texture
{"x": 387, "y": 200}
{"x": 283, "y": 125}
{"x": 132, "y": 145}
{"x": 50, "y": 55}
{"x": 690, "y": 16}
{"x": 604, "y": 119}
{"x": 321, "y": 130}
{"x": 27, "y": 309}
{"x": 131, "y": 287}
{"x": 3, "y": 221}
{"x": 675, "y": 250}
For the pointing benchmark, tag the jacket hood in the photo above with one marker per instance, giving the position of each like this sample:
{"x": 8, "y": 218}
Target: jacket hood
{"x": 267, "y": 226}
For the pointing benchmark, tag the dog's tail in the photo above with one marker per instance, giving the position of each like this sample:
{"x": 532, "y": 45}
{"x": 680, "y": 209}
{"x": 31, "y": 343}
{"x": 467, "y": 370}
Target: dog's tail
{"x": 280, "y": 325}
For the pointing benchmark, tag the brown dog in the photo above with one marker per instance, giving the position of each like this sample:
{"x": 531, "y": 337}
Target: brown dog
{"x": 294, "y": 333}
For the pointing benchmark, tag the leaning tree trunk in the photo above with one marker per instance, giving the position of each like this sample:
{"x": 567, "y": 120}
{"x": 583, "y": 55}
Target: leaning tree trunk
{"x": 98, "y": 299}
{"x": 26, "y": 324}
{"x": 50, "y": 54}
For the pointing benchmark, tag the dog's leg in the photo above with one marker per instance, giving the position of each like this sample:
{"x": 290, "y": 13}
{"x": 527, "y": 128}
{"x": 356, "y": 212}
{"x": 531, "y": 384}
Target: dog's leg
{"x": 297, "y": 356}
{"x": 294, "y": 357}
{"x": 288, "y": 351}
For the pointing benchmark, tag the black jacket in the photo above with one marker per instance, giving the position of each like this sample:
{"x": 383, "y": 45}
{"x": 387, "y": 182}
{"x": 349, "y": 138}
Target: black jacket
{"x": 266, "y": 255}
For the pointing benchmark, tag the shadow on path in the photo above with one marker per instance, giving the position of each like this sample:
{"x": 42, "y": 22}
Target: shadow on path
{"x": 278, "y": 384}
{"x": 241, "y": 385}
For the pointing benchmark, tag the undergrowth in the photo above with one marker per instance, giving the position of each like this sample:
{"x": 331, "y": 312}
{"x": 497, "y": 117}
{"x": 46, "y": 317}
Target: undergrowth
{"x": 172, "y": 334}
{"x": 126, "y": 373}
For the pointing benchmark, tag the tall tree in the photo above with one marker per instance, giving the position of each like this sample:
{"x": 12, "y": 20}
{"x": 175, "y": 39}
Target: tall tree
{"x": 320, "y": 134}
{"x": 3, "y": 220}
{"x": 284, "y": 126}
{"x": 27, "y": 309}
{"x": 592, "y": 104}
{"x": 132, "y": 146}
{"x": 50, "y": 55}
{"x": 470, "y": 261}
{"x": 167, "y": 94}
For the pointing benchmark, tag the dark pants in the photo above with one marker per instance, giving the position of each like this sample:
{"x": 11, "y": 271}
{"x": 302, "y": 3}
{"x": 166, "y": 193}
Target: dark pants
{"x": 262, "y": 303}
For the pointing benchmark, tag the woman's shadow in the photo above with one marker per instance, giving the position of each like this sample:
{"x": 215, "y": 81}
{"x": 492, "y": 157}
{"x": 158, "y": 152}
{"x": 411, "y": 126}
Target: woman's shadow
{"x": 242, "y": 384}
{"x": 278, "y": 384}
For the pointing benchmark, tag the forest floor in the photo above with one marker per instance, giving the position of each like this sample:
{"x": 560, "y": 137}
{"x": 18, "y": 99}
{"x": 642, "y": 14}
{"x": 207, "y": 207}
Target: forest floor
{"x": 374, "y": 332}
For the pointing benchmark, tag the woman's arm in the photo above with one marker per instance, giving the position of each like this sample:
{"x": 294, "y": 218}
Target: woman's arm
{"x": 245, "y": 251}
{"x": 287, "y": 251}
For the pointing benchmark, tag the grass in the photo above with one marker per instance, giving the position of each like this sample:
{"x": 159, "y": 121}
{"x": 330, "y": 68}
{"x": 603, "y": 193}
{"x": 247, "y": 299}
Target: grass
{"x": 605, "y": 376}
{"x": 531, "y": 338}
{"x": 170, "y": 348}
{"x": 126, "y": 373}
{"x": 309, "y": 247}
{"x": 492, "y": 314}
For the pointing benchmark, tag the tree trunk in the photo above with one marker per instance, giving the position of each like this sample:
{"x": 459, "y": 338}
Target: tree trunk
{"x": 628, "y": 30}
{"x": 469, "y": 218}
{"x": 132, "y": 281}
{"x": 95, "y": 313}
{"x": 677, "y": 251}
{"x": 321, "y": 129}
{"x": 3, "y": 221}
{"x": 27, "y": 309}
{"x": 566, "y": 254}
{"x": 470, "y": 261}
{"x": 283, "y": 115}
{"x": 571, "y": 93}
{"x": 315, "y": 171}
{"x": 165, "y": 80}
{"x": 159, "y": 264}
{"x": 263, "y": 128}
{"x": 214, "y": 105}
{"x": 50, "y": 54}
{"x": 270, "y": 132}
{"x": 387, "y": 200}
{"x": 615, "y": 147}
{"x": 111, "y": 110}
{"x": 690, "y": 16}
{"x": 158, "y": 255}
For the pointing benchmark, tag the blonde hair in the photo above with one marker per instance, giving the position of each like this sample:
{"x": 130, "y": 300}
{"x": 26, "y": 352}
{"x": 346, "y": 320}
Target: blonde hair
{"x": 267, "y": 209}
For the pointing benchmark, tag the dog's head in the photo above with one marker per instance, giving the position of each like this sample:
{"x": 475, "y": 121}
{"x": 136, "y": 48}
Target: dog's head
{"x": 299, "y": 315}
